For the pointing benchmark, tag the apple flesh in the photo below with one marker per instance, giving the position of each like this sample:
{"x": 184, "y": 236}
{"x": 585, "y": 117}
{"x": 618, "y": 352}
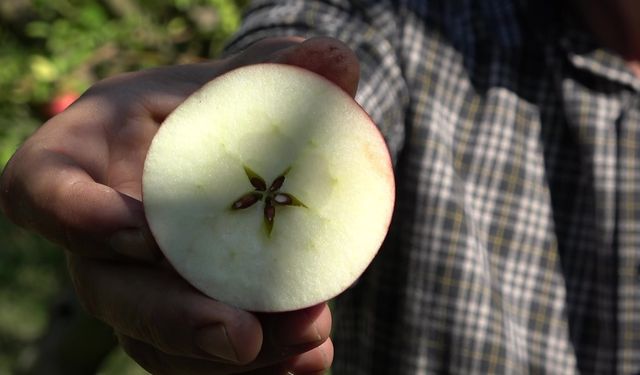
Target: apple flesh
{"x": 269, "y": 189}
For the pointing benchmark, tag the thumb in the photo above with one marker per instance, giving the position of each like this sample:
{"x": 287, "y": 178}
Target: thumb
{"x": 327, "y": 57}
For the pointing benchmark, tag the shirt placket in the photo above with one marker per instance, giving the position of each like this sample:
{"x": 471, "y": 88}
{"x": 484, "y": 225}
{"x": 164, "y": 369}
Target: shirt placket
{"x": 615, "y": 159}
{"x": 628, "y": 236}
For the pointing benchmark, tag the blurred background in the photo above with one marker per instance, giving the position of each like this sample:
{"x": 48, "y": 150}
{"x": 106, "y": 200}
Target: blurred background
{"x": 50, "y": 52}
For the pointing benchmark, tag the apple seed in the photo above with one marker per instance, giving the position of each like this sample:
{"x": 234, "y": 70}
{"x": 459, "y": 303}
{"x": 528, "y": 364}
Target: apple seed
{"x": 269, "y": 210}
{"x": 255, "y": 180}
{"x": 258, "y": 183}
{"x": 277, "y": 184}
{"x": 269, "y": 215}
{"x": 246, "y": 200}
{"x": 282, "y": 198}
{"x": 287, "y": 200}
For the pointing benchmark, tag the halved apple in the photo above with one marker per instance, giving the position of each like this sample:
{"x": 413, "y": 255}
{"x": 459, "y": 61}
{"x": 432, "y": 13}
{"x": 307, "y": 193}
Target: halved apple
{"x": 269, "y": 189}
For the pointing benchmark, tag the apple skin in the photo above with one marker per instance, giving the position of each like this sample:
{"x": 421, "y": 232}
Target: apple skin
{"x": 60, "y": 102}
{"x": 374, "y": 154}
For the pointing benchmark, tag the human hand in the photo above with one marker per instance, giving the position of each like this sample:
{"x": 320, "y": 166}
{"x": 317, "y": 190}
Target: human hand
{"x": 77, "y": 181}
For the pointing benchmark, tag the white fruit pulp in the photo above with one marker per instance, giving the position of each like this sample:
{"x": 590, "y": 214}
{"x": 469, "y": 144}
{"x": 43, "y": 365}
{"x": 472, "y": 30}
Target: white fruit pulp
{"x": 269, "y": 118}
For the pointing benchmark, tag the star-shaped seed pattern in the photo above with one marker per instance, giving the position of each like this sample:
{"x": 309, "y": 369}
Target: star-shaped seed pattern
{"x": 273, "y": 197}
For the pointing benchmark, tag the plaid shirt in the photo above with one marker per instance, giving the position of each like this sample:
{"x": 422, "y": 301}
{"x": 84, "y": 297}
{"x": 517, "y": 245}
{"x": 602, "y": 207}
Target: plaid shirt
{"x": 515, "y": 243}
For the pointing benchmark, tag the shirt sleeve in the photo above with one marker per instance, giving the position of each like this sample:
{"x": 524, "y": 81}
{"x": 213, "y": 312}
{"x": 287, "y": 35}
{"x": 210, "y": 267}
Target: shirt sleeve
{"x": 370, "y": 28}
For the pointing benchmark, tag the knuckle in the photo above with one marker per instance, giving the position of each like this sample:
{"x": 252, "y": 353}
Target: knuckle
{"x": 119, "y": 90}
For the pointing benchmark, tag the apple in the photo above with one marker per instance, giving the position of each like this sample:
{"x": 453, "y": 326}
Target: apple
{"x": 269, "y": 189}
{"x": 60, "y": 102}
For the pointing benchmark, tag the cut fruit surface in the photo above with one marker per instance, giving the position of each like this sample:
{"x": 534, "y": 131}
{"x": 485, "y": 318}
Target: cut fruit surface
{"x": 269, "y": 189}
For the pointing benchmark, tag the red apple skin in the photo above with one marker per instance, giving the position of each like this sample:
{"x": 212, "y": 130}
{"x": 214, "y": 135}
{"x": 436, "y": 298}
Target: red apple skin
{"x": 60, "y": 102}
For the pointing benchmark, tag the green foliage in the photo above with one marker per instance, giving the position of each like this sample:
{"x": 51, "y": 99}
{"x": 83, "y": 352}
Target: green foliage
{"x": 49, "y": 47}
{"x": 31, "y": 273}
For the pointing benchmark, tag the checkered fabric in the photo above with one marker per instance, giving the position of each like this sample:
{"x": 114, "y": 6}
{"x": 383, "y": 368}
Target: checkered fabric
{"x": 515, "y": 243}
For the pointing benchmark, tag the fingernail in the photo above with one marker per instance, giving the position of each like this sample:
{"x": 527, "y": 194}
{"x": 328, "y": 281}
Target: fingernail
{"x": 215, "y": 341}
{"x": 131, "y": 243}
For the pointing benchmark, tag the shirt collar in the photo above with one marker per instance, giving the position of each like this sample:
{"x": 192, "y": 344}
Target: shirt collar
{"x": 584, "y": 53}
{"x": 552, "y": 22}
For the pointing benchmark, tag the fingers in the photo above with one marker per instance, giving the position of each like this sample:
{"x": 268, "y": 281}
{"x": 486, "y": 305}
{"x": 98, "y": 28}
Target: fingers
{"x": 155, "y": 306}
{"x": 296, "y": 331}
{"x": 315, "y": 361}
